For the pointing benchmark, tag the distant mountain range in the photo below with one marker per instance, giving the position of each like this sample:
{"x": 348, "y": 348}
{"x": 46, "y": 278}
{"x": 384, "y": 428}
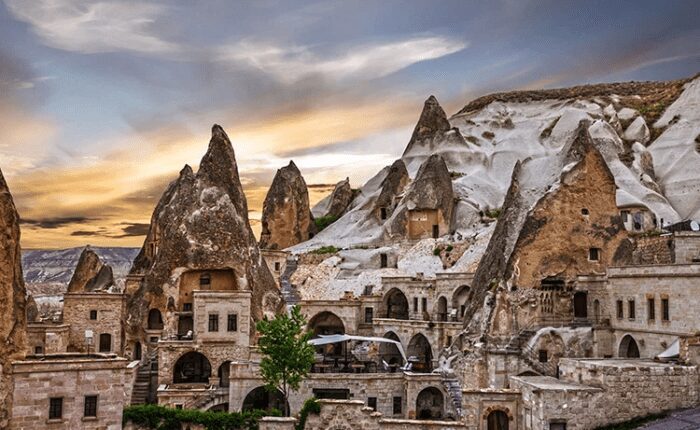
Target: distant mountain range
{"x": 56, "y": 266}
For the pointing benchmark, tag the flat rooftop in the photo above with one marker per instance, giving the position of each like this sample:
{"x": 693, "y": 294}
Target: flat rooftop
{"x": 552, "y": 384}
{"x": 622, "y": 363}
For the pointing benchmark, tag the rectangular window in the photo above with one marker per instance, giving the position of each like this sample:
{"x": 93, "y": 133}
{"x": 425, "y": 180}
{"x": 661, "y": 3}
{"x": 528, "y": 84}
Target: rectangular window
{"x": 369, "y": 315}
{"x": 665, "y": 312}
{"x": 232, "y": 324}
{"x": 415, "y": 304}
{"x": 424, "y": 304}
{"x": 90, "y": 406}
{"x": 651, "y": 309}
{"x": 382, "y": 213}
{"x": 93, "y": 315}
{"x": 620, "y": 309}
{"x": 542, "y": 356}
{"x": 594, "y": 254}
{"x": 383, "y": 261}
{"x": 631, "y": 309}
{"x": 557, "y": 426}
{"x": 398, "y": 401}
{"x": 187, "y": 307}
{"x": 38, "y": 350}
{"x": 56, "y": 408}
{"x": 625, "y": 215}
{"x": 277, "y": 266}
{"x": 449, "y": 340}
{"x": 213, "y": 322}
{"x": 372, "y": 403}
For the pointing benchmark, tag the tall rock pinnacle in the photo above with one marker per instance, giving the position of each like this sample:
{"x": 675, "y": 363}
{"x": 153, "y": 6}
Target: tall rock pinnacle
{"x": 201, "y": 223}
{"x": 286, "y": 218}
{"x": 90, "y": 274}
{"x": 13, "y": 324}
{"x": 432, "y": 122}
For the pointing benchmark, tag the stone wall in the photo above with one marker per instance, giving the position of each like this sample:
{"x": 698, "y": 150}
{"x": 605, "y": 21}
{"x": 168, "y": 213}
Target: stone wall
{"x": 687, "y": 247}
{"x": 51, "y": 338}
{"x": 478, "y": 404}
{"x": 653, "y": 250}
{"x": 615, "y": 391}
{"x": 71, "y": 377}
{"x": 110, "y": 311}
{"x": 222, "y": 304}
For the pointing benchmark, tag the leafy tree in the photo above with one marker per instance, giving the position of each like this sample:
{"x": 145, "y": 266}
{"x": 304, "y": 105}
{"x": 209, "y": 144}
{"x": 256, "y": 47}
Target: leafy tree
{"x": 287, "y": 355}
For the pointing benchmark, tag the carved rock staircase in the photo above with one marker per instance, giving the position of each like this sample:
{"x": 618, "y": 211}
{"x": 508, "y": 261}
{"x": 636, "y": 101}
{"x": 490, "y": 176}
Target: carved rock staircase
{"x": 454, "y": 390}
{"x": 142, "y": 384}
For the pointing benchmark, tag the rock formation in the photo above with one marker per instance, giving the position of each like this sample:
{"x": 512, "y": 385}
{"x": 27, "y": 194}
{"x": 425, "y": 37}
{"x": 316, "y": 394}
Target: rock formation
{"x": 13, "y": 325}
{"x": 431, "y": 190}
{"x": 90, "y": 274}
{"x": 432, "y": 122}
{"x": 548, "y": 232}
{"x": 201, "y": 222}
{"x": 32, "y": 309}
{"x": 392, "y": 186}
{"x": 286, "y": 217}
{"x": 339, "y": 200}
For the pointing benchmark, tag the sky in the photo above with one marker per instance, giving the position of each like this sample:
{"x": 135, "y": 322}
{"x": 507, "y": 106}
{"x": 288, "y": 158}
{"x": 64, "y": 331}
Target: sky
{"x": 103, "y": 102}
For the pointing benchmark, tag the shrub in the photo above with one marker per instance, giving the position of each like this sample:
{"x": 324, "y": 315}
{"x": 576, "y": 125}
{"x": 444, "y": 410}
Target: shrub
{"x": 437, "y": 251}
{"x": 325, "y": 250}
{"x": 449, "y": 248}
{"x": 324, "y": 221}
{"x": 493, "y": 213}
{"x": 311, "y": 406}
{"x": 162, "y": 418}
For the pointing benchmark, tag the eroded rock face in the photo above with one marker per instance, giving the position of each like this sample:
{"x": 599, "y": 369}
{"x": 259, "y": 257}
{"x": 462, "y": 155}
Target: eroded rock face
{"x": 286, "y": 218}
{"x": 13, "y": 325}
{"x": 200, "y": 223}
{"x": 32, "y": 309}
{"x": 90, "y": 274}
{"x": 393, "y": 184}
{"x": 432, "y": 122}
{"x": 430, "y": 191}
{"x": 340, "y": 199}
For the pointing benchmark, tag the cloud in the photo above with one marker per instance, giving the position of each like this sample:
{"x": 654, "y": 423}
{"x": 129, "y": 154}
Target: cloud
{"x": 55, "y": 222}
{"x": 92, "y": 27}
{"x": 135, "y": 229}
{"x": 370, "y": 61}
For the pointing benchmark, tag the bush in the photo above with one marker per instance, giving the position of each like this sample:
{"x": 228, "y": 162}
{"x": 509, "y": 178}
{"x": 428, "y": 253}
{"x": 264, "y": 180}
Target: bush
{"x": 311, "y": 406}
{"x": 493, "y": 213}
{"x": 437, "y": 251}
{"x": 162, "y": 418}
{"x": 324, "y": 221}
{"x": 449, "y": 248}
{"x": 325, "y": 250}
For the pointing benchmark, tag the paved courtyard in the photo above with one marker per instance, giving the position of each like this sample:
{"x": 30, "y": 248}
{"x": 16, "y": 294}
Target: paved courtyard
{"x": 688, "y": 419}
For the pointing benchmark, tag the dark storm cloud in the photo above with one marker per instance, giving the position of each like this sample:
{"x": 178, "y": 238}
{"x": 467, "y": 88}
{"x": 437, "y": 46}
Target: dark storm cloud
{"x": 135, "y": 229}
{"x": 56, "y": 222}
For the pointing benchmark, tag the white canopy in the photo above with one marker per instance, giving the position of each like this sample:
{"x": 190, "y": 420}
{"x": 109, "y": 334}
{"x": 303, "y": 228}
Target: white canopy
{"x": 337, "y": 338}
{"x": 672, "y": 352}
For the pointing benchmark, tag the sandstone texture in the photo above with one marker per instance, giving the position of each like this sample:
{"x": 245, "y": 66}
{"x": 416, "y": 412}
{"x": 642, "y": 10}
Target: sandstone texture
{"x": 392, "y": 186}
{"x": 90, "y": 274}
{"x": 340, "y": 199}
{"x": 286, "y": 218}
{"x": 13, "y": 325}
{"x": 201, "y": 222}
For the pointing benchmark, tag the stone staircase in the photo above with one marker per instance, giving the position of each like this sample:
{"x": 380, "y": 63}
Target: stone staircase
{"x": 518, "y": 342}
{"x": 211, "y": 397}
{"x": 142, "y": 385}
{"x": 289, "y": 292}
{"x": 454, "y": 390}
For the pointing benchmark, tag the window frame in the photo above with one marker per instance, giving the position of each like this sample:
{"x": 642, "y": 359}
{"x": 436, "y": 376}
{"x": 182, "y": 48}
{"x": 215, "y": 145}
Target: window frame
{"x": 372, "y": 403}
{"x": 232, "y": 318}
{"x": 93, "y": 406}
{"x": 651, "y": 309}
{"x": 56, "y": 408}
{"x": 93, "y": 314}
{"x": 665, "y": 309}
{"x": 369, "y": 315}
{"x": 397, "y": 405}
{"x": 213, "y": 325}
{"x": 594, "y": 254}
{"x": 620, "y": 306}
{"x": 631, "y": 309}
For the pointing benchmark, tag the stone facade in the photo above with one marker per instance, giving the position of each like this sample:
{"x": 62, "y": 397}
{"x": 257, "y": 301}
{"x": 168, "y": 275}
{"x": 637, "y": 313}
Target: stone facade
{"x": 687, "y": 247}
{"x": 70, "y": 377}
{"x": 47, "y": 338}
{"x": 100, "y": 312}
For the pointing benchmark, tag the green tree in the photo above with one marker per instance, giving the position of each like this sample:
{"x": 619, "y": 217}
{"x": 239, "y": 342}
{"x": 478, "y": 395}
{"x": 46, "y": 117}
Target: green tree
{"x": 287, "y": 354}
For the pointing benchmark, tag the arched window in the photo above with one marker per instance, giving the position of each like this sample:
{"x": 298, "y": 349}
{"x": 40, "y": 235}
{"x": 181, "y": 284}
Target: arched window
{"x": 497, "y": 420}
{"x": 430, "y": 404}
{"x": 224, "y": 371}
{"x": 105, "y": 342}
{"x": 389, "y": 353}
{"x": 442, "y": 309}
{"x": 192, "y": 367}
{"x": 628, "y": 348}
{"x": 396, "y": 304}
{"x": 155, "y": 321}
{"x": 420, "y": 353}
{"x": 326, "y": 323}
{"x": 204, "y": 281}
{"x": 260, "y": 398}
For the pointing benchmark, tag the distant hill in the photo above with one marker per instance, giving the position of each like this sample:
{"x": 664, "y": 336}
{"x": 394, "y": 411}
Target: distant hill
{"x": 56, "y": 266}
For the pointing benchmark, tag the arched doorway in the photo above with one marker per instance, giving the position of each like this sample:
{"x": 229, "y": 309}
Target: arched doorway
{"x": 105, "y": 342}
{"x": 223, "y": 373}
{"x": 137, "y": 351}
{"x": 497, "y": 420}
{"x": 155, "y": 320}
{"x": 396, "y": 304}
{"x": 596, "y": 311}
{"x": 193, "y": 367}
{"x": 442, "y": 309}
{"x": 389, "y": 352}
{"x": 420, "y": 353}
{"x": 260, "y": 398}
{"x": 430, "y": 404}
{"x": 628, "y": 348}
{"x": 327, "y": 323}
{"x": 581, "y": 305}
{"x": 459, "y": 300}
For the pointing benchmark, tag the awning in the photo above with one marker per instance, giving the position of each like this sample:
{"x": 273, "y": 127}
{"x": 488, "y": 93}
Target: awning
{"x": 673, "y": 351}
{"x": 337, "y": 338}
